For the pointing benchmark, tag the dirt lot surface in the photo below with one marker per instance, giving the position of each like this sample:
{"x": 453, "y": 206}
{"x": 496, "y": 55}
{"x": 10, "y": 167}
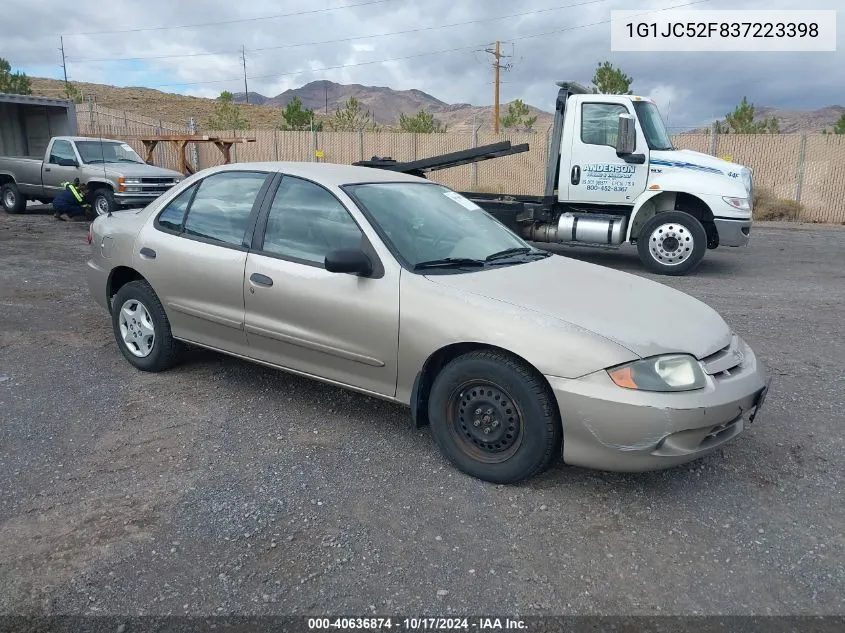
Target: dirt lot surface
{"x": 224, "y": 487}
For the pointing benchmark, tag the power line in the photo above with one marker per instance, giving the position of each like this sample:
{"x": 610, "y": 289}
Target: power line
{"x": 417, "y": 55}
{"x": 340, "y": 40}
{"x": 227, "y": 22}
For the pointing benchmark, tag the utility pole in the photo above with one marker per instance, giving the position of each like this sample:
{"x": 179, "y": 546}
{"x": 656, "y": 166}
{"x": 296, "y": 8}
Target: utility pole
{"x": 64, "y": 63}
{"x": 243, "y": 57}
{"x": 498, "y": 67}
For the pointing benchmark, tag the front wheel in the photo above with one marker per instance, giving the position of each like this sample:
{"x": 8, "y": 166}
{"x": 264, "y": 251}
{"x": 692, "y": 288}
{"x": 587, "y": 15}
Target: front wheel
{"x": 672, "y": 243}
{"x": 103, "y": 201}
{"x": 13, "y": 200}
{"x": 494, "y": 418}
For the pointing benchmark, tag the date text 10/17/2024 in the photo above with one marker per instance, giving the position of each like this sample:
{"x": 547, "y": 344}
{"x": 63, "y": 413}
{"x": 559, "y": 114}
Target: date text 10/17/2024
{"x": 415, "y": 624}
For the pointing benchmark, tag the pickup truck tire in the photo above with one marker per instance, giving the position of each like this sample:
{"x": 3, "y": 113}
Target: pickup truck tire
{"x": 494, "y": 417}
{"x": 13, "y": 200}
{"x": 672, "y": 243}
{"x": 102, "y": 201}
{"x": 142, "y": 330}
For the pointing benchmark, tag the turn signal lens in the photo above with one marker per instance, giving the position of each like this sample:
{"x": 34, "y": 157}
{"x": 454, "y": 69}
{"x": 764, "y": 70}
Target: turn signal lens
{"x": 624, "y": 377}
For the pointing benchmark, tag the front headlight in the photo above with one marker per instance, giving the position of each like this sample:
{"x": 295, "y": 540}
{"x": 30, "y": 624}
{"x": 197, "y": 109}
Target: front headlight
{"x": 132, "y": 181}
{"x": 674, "y": 372}
{"x": 737, "y": 203}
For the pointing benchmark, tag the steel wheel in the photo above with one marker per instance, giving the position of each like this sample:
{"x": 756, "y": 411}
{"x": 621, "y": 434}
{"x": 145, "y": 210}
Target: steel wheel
{"x": 101, "y": 205}
{"x": 9, "y": 199}
{"x": 485, "y": 421}
{"x": 136, "y": 328}
{"x": 671, "y": 244}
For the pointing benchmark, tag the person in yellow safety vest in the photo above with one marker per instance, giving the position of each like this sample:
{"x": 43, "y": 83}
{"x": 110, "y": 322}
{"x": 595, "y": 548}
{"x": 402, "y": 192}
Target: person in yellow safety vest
{"x": 70, "y": 203}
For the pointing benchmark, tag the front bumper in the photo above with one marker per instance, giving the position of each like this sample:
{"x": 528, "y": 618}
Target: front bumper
{"x": 733, "y": 232}
{"x": 611, "y": 428}
{"x": 134, "y": 199}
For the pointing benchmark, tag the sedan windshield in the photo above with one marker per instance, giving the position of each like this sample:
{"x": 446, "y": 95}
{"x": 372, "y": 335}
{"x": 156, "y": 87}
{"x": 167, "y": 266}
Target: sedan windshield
{"x": 107, "y": 152}
{"x": 432, "y": 227}
{"x": 653, "y": 127}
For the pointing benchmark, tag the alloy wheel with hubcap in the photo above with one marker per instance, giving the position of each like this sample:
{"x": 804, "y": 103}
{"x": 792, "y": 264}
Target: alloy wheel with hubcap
{"x": 101, "y": 205}
{"x": 9, "y": 199}
{"x": 136, "y": 328}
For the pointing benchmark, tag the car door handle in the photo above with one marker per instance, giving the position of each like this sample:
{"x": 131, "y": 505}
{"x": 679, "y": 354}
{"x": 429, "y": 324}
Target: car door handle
{"x": 261, "y": 280}
{"x": 148, "y": 253}
{"x": 576, "y": 175}
{"x": 46, "y": 169}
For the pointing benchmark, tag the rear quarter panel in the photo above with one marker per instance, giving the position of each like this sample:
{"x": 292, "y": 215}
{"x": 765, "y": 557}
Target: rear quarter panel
{"x": 26, "y": 173}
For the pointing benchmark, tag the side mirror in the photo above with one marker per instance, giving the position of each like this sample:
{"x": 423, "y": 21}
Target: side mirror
{"x": 68, "y": 162}
{"x": 626, "y": 136}
{"x": 352, "y": 261}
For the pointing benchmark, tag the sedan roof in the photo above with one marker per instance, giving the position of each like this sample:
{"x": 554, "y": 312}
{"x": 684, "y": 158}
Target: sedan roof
{"x": 324, "y": 173}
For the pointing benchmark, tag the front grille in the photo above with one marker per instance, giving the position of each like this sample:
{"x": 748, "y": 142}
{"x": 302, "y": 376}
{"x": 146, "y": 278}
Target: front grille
{"x": 156, "y": 181}
{"x": 719, "y": 431}
{"x": 727, "y": 359}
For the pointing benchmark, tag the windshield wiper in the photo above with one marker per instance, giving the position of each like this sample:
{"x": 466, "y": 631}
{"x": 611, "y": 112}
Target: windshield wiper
{"x": 449, "y": 262}
{"x": 510, "y": 252}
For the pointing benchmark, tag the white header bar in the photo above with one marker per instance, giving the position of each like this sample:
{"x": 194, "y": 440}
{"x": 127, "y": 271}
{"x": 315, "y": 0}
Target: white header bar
{"x": 723, "y": 30}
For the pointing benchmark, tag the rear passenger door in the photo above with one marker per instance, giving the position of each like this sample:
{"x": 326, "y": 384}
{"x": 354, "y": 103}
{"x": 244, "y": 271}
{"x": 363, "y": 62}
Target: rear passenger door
{"x": 340, "y": 327}
{"x": 194, "y": 252}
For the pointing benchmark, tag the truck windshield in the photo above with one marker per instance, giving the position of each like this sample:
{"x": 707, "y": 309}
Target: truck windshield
{"x": 653, "y": 127}
{"x": 432, "y": 227}
{"x": 107, "y": 152}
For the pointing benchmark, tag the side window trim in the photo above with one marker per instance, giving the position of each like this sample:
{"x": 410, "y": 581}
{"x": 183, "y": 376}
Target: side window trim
{"x": 257, "y": 245}
{"x": 193, "y": 188}
{"x": 605, "y": 103}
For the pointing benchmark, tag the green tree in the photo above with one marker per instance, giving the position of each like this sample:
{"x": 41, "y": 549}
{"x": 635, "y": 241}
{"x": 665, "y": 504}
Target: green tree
{"x": 227, "y": 114}
{"x": 741, "y": 121}
{"x": 16, "y": 83}
{"x": 421, "y": 123}
{"x": 839, "y": 128}
{"x": 351, "y": 117}
{"x": 611, "y": 81}
{"x": 518, "y": 117}
{"x": 296, "y": 117}
{"x": 72, "y": 93}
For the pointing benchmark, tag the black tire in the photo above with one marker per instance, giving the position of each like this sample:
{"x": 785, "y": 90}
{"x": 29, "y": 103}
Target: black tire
{"x": 10, "y": 193}
{"x": 528, "y": 434}
{"x": 680, "y": 252}
{"x": 102, "y": 201}
{"x": 165, "y": 351}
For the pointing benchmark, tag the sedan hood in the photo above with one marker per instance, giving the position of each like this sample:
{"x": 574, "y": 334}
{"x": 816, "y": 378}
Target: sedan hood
{"x": 641, "y": 315}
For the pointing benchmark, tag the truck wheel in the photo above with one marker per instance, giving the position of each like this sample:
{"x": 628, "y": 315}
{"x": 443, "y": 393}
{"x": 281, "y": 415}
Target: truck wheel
{"x": 672, "y": 243}
{"x": 103, "y": 201}
{"x": 142, "y": 330}
{"x": 13, "y": 200}
{"x": 494, "y": 418}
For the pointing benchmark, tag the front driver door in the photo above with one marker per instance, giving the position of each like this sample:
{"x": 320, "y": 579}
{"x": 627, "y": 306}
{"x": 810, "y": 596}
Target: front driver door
{"x": 335, "y": 326}
{"x": 597, "y": 174}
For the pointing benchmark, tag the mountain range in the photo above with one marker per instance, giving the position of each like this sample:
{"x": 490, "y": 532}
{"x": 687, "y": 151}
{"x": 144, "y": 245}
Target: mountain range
{"x": 384, "y": 103}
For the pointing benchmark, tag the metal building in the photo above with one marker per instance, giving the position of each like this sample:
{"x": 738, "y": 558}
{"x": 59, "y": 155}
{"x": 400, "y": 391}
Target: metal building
{"x": 28, "y": 122}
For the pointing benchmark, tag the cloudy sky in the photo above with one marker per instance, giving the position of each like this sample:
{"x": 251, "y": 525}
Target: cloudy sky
{"x": 435, "y": 46}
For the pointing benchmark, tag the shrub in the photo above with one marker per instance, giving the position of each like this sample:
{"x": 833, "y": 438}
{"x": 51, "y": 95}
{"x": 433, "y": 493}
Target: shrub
{"x": 767, "y": 206}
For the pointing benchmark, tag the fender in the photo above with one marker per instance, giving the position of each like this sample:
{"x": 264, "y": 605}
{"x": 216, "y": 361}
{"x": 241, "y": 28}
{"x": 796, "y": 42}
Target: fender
{"x": 94, "y": 182}
{"x": 665, "y": 185}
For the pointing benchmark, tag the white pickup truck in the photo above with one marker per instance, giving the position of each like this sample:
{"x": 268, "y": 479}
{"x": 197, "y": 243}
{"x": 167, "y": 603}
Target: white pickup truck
{"x": 116, "y": 176}
{"x": 614, "y": 177}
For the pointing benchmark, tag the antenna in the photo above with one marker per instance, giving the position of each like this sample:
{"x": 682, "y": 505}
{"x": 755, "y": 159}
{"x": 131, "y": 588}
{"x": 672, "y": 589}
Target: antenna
{"x": 102, "y": 148}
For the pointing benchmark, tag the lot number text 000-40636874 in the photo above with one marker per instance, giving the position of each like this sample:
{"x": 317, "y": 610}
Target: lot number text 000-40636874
{"x": 728, "y": 30}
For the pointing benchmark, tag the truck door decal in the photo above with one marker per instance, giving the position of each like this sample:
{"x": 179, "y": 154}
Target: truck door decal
{"x": 609, "y": 176}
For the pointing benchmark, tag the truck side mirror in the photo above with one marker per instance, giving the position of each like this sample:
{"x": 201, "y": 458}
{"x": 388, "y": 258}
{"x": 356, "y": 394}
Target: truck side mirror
{"x": 626, "y": 136}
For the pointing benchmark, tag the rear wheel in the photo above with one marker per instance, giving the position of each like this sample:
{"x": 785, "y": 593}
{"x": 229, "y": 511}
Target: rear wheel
{"x": 142, "y": 330}
{"x": 13, "y": 200}
{"x": 672, "y": 243}
{"x": 494, "y": 418}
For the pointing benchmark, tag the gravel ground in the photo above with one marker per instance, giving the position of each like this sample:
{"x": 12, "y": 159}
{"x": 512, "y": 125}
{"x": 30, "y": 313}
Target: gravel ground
{"x": 221, "y": 487}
